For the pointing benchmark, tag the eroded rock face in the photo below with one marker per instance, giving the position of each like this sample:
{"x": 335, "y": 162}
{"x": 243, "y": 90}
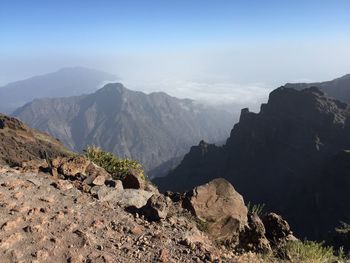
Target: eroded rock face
{"x": 219, "y": 205}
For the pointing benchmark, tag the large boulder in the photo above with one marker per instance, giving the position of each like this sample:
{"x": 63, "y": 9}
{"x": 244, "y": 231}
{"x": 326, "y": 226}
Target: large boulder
{"x": 221, "y": 207}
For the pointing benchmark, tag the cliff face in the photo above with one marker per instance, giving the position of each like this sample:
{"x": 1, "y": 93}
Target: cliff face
{"x": 281, "y": 157}
{"x": 152, "y": 128}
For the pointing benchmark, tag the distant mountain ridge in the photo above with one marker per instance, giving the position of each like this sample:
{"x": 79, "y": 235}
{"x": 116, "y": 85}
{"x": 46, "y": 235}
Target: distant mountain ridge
{"x": 338, "y": 88}
{"x": 292, "y": 156}
{"x": 153, "y": 128}
{"x": 62, "y": 83}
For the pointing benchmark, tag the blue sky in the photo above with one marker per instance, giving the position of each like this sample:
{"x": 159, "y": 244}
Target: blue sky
{"x": 68, "y": 26}
{"x": 150, "y": 43}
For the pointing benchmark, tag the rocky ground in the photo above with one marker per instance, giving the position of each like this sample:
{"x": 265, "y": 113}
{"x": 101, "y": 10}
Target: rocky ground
{"x": 46, "y": 219}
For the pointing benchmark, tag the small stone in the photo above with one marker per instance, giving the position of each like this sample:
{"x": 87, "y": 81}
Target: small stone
{"x": 99, "y": 180}
{"x": 164, "y": 255}
{"x": 48, "y": 199}
{"x": 76, "y": 259}
{"x": 63, "y": 185}
{"x": 117, "y": 184}
{"x": 137, "y": 230}
{"x": 54, "y": 172}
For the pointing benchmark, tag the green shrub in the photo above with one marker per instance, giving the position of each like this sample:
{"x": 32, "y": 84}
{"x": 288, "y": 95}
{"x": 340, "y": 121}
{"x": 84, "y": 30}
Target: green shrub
{"x": 117, "y": 167}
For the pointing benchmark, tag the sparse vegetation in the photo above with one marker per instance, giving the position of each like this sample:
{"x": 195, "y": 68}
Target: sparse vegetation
{"x": 299, "y": 252}
{"x": 202, "y": 225}
{"x": 255, "y": 208}
{"x": 117, "y": 167}
{"x": 313, "y": 252}
{"x": 344, "y": 228}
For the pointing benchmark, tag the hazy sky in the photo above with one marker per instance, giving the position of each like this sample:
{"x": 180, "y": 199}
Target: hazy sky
{"x": 232, "y": 51}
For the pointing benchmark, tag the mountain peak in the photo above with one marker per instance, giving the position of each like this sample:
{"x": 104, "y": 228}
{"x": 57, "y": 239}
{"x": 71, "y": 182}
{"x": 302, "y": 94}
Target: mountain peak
{"x": 113, "y": 87}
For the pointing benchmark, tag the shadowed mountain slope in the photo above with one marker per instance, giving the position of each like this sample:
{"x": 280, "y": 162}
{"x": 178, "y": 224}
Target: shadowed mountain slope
{"x": 289, "y": 156}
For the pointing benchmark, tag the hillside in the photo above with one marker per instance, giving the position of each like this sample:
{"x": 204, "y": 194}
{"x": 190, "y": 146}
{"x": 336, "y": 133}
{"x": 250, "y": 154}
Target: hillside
{"x": 153, "y": 129}
{"x": 63, "y": 83}
{"x": 285, "y": 156}
{"x": 19, "y": 143}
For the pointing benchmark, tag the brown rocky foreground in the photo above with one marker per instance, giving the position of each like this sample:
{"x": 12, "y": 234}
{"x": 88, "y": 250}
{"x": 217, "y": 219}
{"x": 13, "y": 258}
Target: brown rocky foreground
{"x": 40, "y": 223}
{"x": 79, "y": 214}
